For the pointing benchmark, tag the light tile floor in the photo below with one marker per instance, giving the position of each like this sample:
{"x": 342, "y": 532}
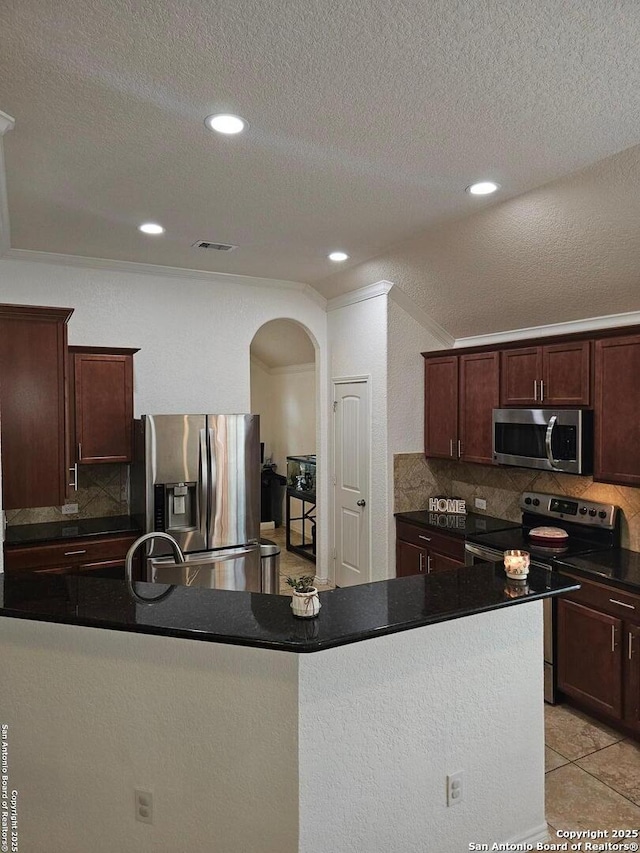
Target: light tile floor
{"x": 291, "y": 563}
{"x": 592, "y": 774}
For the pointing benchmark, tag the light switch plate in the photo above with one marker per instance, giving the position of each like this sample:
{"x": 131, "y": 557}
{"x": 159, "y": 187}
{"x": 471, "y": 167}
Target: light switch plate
{"x": 69, "y": 509}
{"x": 480, "y": 503}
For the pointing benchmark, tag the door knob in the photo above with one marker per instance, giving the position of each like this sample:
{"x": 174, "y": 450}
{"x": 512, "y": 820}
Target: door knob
{"x": 361, "y": 503}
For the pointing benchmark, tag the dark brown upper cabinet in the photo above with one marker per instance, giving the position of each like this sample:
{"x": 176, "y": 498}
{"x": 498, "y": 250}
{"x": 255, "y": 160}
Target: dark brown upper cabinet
{"x": 460, "y": 395}
{"x": 441, "y": 407}
{"x": 543, "y": 376}
{"x": 33, "y": 344}
{"x": 102, "y": 404}
{"x": 617, "y": 410}
{"x": 479, "y": 396}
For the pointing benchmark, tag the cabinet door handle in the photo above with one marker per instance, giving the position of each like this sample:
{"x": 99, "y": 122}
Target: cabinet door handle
{"x": 621, "y": 603}
{"x": 450, "y": 447}
{"x": 613, "y": 638}
{"x": 541, "y": 390}
{"x": 630, "y": 650}
{"x": 429, "y": 564}
{"x": 79, "y": 451}
{"x": 74, "y": 471}
{"x": 421, "y": 562}
{"x": 459, "y": 448}
{"x": 426, "y": 538}
{"x": 73, "y": 553}
{"x": 535, "y": 390}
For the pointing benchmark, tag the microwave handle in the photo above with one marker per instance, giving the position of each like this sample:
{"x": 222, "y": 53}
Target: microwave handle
{"x": 547, "y": 439}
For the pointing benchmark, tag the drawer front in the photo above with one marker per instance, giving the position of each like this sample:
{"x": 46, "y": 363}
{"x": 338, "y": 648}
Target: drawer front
{"x": 609, "y": 599}
{"x": 73, "y": 552}
{"x": 424, "y": 537}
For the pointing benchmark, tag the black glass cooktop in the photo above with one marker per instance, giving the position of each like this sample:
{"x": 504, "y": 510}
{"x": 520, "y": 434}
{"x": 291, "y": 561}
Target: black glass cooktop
{"x": 618, "y": 565}
{"x": 518, "y": 539}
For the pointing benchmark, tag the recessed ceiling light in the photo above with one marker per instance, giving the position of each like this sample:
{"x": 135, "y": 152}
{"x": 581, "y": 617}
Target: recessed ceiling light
{"x": 151, "y": 228}
{"x": 338, "y": 256}
{"x": 224, "y": 123}
{"x": 483, "y": 188}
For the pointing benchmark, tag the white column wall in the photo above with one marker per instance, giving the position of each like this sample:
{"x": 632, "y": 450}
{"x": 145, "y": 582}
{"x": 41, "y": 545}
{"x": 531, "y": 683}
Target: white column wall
{"x": 358, "y": 345}
{"x": 407, "y": 338}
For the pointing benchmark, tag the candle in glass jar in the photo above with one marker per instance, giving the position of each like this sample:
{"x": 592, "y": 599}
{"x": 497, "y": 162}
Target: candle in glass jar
{"x": 516, "y": 563}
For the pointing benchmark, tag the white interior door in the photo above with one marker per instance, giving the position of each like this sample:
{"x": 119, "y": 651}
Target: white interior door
{"x": 351, "y": 479}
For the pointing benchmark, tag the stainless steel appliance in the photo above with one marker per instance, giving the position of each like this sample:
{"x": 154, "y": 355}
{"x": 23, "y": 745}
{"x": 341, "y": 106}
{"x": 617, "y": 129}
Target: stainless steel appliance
{"x": 549, "y": 439}
{"x": 592, "y": 527}
{"x": 197, "y": 478}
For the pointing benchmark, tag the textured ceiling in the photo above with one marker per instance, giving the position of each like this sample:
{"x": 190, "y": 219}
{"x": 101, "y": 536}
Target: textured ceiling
{"x": 367, "y": 120}
{"x": 282, "y": 343}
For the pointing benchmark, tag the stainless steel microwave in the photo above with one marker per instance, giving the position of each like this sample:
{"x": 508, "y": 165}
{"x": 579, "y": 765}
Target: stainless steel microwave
{"x": 548, "y": 439}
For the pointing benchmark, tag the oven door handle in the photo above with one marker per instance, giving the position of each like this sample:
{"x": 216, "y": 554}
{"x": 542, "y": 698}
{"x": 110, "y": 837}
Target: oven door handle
{"x": 484, "y": 553}
{"x": 547, "y": 440}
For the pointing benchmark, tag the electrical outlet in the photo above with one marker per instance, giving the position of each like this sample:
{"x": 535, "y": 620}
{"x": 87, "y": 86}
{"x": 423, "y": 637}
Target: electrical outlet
{"x": 144, "y": 806}
{"x": 480, "y": 503}
{"x": 454, "y": 788}
{"x": 69, "y": 509}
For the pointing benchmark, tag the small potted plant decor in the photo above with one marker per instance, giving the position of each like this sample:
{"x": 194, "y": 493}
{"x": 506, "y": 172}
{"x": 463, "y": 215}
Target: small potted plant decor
{"x": 305, "y": 602}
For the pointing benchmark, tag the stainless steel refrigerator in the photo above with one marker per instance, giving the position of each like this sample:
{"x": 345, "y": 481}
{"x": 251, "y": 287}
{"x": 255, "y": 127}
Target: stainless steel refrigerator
{"x": 197, "y": 477}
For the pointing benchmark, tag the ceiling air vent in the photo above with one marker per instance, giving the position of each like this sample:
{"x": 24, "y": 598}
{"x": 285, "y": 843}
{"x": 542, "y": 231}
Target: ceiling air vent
{"x": 219, "y": 247}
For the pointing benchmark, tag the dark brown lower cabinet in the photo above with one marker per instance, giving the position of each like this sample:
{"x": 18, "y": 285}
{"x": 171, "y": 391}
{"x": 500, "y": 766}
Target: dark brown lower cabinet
{"x": 419, "y": 550}
{"x": 102, "y": 556}
{"x": 632, "y": 680}
{"x": 599, "y": 652}
{"x": 590, "y": 657}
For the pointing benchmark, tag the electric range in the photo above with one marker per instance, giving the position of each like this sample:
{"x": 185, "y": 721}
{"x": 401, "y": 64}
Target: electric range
{"x": 592, "y": 527}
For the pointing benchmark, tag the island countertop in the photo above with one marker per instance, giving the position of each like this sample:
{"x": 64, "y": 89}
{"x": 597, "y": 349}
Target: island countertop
{"x": 347, "y": 615}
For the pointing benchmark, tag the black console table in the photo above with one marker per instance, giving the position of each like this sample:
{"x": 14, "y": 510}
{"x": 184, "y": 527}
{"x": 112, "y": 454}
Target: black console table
{"x": 306, "y": 549}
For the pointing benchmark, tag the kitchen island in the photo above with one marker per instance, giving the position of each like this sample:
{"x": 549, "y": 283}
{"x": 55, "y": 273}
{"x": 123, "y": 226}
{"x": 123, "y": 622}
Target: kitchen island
{"x": 256, "y": 731}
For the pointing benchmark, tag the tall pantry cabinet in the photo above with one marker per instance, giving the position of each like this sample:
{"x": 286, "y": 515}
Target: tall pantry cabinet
{"x": 33, "y": 346}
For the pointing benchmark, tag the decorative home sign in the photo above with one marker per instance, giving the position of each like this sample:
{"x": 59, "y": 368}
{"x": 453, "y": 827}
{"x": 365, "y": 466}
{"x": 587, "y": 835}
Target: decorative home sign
{"x": 447, "y": 505}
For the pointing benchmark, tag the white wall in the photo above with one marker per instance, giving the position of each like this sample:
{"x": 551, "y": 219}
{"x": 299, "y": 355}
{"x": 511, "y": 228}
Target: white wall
{"x": 285, "y": 399}
{"x": 209, "y": 729}
{"x": 465, "y": 696}
{"x": 358, "y": 347}
{"x": 263, "y": 751}
{"x": 194, "y": 336}
{"x": 288, "y": 396}
{"x": 406, "y": 339}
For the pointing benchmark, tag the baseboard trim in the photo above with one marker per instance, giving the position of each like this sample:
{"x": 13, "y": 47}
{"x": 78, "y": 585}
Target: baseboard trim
{"x": 531, "y": 837}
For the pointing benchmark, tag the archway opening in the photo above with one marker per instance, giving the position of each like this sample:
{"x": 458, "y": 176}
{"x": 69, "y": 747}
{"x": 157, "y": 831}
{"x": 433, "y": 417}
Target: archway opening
{"x": 284, "y": 394}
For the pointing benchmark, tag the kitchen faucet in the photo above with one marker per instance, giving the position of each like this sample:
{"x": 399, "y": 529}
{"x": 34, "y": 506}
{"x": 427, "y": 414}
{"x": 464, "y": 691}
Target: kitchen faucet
{"x": 128, "y": 565}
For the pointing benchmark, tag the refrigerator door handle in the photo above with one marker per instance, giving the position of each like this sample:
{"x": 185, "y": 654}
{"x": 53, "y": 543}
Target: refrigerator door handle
{"x": 203, "y": 491}
{"x": 213, "y": 488}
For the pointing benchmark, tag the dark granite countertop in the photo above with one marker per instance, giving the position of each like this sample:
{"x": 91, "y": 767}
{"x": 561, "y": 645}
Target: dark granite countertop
{"x": 615, "y": 567}
{"x": 265, "y": 621}
{"x": 39, "y": 534}
{"x": 456, "y": 525}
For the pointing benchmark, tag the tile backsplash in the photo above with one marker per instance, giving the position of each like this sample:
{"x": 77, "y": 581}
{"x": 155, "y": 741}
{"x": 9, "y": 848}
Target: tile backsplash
{"x": 102, "y": 490}
{"x": 416, "y": 479}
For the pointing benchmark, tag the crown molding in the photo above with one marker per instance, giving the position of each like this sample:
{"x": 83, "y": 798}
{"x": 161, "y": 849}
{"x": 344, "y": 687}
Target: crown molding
{"x": 160, "y": 270}
{"x": 310, "y": 367}
{"x": 371, "y": 291}
{"x": 590, "y": 324}
{"x": 388, "y": 288}
{"x": 421, "y": 317}
{"x": 287, "y": 368}
{"x": 6, "y": 123}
